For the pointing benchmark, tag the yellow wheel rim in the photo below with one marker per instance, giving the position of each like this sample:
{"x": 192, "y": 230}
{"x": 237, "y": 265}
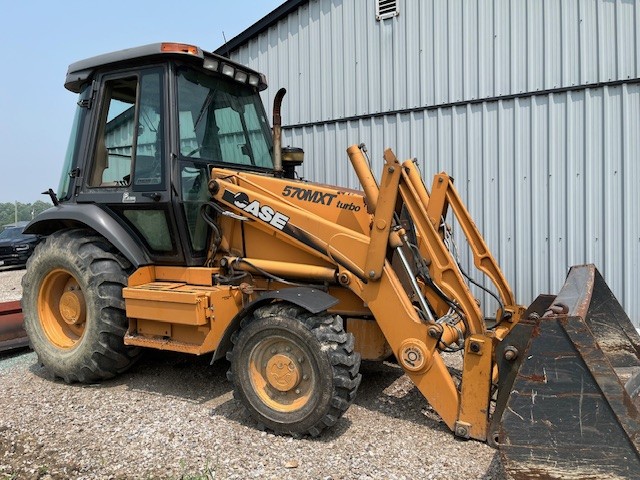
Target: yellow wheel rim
{"x": 62, "y": 309}
{"x": 281, "y": 374}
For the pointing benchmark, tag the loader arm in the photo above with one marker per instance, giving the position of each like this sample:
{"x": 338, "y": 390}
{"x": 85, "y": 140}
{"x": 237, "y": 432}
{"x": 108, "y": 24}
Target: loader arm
{"x": 385, "y": 297}
{"x": 410, "y": 321}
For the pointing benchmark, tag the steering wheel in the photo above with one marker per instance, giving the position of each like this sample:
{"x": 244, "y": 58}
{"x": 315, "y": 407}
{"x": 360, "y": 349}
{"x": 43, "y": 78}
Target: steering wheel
{"x": 194, "y": 151}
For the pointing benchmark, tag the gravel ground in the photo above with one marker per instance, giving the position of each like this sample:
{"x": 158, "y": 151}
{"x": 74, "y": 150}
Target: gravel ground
{"x": 10, "y": 288}
{"x": 174, "y": 416}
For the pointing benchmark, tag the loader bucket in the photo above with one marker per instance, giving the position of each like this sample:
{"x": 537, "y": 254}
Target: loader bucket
{"x": 567, "y": 400}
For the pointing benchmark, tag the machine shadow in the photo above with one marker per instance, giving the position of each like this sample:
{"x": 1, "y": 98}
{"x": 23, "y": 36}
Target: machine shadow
{"x": 384, "y": 389}
{"x": 496, "y": 470}
{"x": 186, "y": 377}
{"x": 387, "y": 390}
{"x": 157, "y": 372}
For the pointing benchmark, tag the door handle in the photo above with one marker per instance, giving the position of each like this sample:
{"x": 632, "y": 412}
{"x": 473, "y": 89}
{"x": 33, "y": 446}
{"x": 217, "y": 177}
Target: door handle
{"x": 155, "y": 196}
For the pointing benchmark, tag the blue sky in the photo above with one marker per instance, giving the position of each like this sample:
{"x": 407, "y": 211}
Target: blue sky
{"x": 40, "y": 38}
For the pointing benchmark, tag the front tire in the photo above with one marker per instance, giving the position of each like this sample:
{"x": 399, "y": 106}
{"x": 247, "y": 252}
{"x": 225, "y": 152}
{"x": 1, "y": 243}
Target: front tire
{"x": 73, "y": 306}
{"x": 295, "y": 372}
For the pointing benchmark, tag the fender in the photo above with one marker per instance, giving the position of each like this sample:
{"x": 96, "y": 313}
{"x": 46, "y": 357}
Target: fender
{"x": 311, "y": 299}
{"x": 91, "y": 216}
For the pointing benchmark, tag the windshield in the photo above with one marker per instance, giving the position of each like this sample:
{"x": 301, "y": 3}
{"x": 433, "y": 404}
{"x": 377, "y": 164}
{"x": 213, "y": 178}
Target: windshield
{"x": 74, "y": 142}
{"x": 222, "y": 120}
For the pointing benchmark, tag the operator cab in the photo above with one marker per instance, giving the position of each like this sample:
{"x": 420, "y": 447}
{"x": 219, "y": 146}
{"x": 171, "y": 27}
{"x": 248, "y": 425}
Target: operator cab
{"x": 151, "y": 122}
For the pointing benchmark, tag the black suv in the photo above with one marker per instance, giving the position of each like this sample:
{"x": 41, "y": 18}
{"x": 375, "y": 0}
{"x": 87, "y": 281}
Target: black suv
{"x": 16, "y": 247}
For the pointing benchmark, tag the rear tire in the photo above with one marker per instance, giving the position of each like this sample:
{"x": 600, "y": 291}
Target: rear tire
{"x": 73, "y": 307}
{"x": 295, "y": 372}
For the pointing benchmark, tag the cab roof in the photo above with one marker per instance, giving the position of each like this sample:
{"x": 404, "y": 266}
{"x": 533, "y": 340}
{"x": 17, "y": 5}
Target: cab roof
{"x": 81, "y": 72}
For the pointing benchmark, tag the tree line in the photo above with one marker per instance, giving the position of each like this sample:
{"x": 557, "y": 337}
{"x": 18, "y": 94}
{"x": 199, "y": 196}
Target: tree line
{"x": 25, "y": 211}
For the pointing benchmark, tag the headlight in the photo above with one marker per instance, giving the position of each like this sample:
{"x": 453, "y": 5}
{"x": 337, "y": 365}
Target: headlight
{"x": 21, "y": 248}
{"x": 228, "y": 70}
{"x": 254, "y": 80}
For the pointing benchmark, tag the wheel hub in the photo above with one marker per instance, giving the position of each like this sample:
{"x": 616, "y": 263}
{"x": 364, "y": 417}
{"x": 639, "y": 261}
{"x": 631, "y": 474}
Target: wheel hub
{"x": 283, "y": 372}
{"x": 62, "y": 308}
{"x": 72, "y": 307}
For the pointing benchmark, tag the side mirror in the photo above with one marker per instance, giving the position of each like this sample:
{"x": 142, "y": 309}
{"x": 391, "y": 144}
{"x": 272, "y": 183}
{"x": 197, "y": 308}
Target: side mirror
{"x": 291, "y": 158}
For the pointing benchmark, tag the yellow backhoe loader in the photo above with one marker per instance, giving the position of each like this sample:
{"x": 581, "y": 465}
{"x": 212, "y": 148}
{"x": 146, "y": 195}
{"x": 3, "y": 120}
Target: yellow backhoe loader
{"x": 180, "y": 224}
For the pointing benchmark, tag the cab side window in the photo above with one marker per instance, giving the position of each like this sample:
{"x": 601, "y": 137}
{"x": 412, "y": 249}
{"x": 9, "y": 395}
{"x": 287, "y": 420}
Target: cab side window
{"x": 129, "y": 136}
{"x": 113, "y": 154}
{"x": 148, "y": 169}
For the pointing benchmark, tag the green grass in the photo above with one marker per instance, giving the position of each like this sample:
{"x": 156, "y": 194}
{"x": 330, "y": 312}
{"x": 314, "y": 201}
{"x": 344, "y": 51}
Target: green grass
{"x": 208, "y": 472}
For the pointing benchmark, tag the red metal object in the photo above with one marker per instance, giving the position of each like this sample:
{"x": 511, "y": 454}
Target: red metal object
{"x": 12, "y": 333}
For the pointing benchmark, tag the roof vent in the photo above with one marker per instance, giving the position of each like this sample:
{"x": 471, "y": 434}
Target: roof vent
{"x": 386, "y": 9}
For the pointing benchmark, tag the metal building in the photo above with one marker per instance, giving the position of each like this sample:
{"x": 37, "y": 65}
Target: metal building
{"x": 532, "y": 106}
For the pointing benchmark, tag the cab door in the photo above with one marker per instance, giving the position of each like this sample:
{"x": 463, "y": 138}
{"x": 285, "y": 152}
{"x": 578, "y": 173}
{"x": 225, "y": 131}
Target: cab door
{"x": 125, "y": 171}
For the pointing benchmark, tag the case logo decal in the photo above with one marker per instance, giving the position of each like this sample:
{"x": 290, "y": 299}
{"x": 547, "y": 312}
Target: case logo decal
{"x": 262, "y": 212}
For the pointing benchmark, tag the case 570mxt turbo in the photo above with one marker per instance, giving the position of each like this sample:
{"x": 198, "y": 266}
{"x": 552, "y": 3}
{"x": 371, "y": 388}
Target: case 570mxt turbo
{"x": 179, "y": 224}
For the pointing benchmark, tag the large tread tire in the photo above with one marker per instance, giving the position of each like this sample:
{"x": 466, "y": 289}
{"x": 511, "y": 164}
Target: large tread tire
{"x": 330, "y": 366}
{"x": 94, "y": 348}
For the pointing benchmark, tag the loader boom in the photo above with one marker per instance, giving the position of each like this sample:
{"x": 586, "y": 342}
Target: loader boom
{"x": 363, "y": 265}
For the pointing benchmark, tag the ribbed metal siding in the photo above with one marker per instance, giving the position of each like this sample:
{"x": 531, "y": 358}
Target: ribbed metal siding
{"x": 337, "y": 61}
{"x": 551, "y": 179}
{"x": 532, "y": 173}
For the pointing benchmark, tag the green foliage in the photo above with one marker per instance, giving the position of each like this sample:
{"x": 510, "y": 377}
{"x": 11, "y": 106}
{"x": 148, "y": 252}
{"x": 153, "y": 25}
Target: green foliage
{"x": 26, "y": 211}
{"x": 208, "y": 472}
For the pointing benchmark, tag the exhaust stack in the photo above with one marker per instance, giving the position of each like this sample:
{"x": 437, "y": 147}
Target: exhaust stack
{"x": 277, "y": 133}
